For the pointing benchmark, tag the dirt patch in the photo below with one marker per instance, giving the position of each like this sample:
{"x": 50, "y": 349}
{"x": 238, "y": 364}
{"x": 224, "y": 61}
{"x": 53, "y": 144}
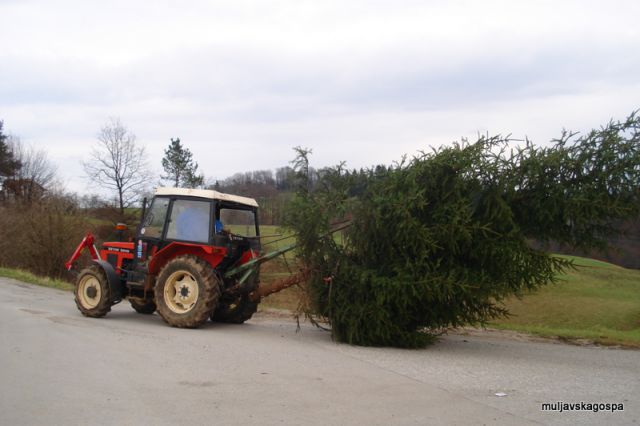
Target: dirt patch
{"x": 524, "y": 337}
{"x": 34, "y": 311}
{"x": 266, "y": 313}
{"x": 207, "y": 384}
{"x": 501, "y": 334}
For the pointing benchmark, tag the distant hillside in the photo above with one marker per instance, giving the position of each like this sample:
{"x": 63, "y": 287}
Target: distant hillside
{"x": 625, "y": 250}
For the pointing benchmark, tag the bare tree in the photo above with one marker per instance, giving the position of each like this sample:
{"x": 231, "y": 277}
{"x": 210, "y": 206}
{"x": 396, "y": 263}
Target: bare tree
{"x": 36, "y": 174}
{"x": 118, "y": 163}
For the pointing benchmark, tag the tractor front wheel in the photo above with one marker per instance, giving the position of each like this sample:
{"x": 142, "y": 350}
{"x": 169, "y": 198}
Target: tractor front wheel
{"x": 92, "y": 292}
{"x": 187, "y": 292}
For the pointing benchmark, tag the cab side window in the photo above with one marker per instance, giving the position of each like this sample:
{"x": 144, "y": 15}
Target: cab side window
{"x": 190, "y": 221}
{"x": 239, "y": 222}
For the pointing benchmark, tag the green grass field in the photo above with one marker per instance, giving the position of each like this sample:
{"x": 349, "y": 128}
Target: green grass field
{"x": 598, "y": 302}
{"x": 274, "y": 238}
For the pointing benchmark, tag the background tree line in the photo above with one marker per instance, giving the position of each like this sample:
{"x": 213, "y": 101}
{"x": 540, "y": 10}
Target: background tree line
{"x": 41, "y": 222}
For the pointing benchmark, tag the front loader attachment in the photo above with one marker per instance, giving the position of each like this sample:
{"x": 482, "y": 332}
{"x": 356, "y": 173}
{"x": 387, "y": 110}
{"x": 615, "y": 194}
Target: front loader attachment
{"x": 87, "y": 242}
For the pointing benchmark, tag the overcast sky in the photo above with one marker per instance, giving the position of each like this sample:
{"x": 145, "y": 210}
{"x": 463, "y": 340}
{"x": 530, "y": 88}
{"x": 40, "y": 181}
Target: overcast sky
{"x": 242, "y": 82}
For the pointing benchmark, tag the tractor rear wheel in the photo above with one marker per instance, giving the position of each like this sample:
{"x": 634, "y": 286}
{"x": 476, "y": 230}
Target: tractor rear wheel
{"x": 235, "y": 311}
{"x": 187, "y": 292}
{"x": 92, "y": 292}
{"x": 146, "y": 307}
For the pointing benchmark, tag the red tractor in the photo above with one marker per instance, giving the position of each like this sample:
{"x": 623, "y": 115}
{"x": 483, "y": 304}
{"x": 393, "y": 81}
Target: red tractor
{"x": 195, "y": 256}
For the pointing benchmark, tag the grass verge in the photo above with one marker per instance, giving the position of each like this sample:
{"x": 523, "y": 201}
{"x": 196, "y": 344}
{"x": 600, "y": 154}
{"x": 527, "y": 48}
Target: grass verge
{"x": 28, "y": 277}
{"x": 598, "y": 302}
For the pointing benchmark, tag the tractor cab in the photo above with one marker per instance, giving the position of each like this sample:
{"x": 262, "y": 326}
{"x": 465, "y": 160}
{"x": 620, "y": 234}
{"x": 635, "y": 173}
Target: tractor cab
{"x": 191, "y": 218}
{"x": 222, "y": 229}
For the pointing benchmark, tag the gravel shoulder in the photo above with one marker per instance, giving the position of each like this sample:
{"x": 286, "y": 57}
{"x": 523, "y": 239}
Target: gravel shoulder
{"x": 62, "y": 368}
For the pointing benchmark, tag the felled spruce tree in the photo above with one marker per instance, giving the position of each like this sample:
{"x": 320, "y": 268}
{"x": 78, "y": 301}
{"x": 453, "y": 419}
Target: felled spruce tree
{"x": 440, "y": 240}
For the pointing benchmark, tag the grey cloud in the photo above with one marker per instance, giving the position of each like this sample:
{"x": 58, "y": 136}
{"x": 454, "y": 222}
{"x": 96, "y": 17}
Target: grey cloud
{"x": 279, "y": 85}
{"x": 270, "y": 86}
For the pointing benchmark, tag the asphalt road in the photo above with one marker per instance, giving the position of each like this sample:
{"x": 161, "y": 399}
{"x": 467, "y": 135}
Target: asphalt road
{"x": 60, "y": 368}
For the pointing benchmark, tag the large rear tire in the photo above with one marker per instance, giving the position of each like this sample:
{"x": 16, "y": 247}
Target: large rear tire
{"x": 187, "y": 292}
{"x": 92, "y": 292}
{"x": 235, "y": 311}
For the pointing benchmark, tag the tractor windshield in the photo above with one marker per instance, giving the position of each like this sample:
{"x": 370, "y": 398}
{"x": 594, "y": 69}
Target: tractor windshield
{"x": 153, "y": 223}
{"x": 239, "y": 222}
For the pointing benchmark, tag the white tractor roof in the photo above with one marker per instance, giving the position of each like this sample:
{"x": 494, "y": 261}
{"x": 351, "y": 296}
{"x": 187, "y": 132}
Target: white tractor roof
{"x": 207, "y": 193}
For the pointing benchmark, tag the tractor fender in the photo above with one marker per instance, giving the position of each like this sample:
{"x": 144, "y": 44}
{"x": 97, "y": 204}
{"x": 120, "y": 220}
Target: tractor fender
{"x": 210, "y": 254}
{"x": 115, "y": 283}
